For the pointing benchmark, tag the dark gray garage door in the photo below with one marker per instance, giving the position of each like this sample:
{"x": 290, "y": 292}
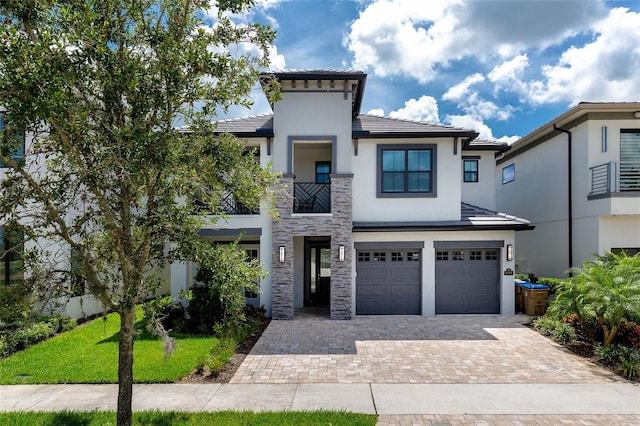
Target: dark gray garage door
{"x": 388, "y": 282}
{"x": 467, "y": 281}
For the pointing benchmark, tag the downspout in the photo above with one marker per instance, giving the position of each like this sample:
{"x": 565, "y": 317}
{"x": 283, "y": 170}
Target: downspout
{"x": 570, "y": 197}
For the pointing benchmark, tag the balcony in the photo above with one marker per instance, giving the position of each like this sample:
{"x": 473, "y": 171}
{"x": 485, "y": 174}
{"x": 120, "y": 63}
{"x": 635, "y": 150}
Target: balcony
{"x": 228, "y": 206}
{"x": 614, "y": 177}
{"x": 310, "y": 197}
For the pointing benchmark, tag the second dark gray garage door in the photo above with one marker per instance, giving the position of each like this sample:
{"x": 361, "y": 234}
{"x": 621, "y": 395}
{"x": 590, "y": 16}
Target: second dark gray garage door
{"x": 467, "y": 281}
{"x": 388, "y": 282}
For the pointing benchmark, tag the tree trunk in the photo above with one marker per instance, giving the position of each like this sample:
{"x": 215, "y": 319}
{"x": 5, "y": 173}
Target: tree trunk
{"x": 125, "y": 366}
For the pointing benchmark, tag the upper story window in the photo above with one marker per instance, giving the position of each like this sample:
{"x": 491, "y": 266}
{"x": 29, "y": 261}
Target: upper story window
{"x": 508, "y": 173}
{"x": 323, "y": 170}
{"x": 16, "y": 154}
{"x": 470, "y": 169}
{"x": 406, "y": 170}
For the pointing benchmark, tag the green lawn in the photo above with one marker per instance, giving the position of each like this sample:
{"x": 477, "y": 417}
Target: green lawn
{"x": 171, "y": 418}
{"x": 89, "y": 354}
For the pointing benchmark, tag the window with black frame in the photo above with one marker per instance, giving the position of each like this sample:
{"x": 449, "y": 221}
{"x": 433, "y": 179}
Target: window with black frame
{"x": 406, "y": 170}
{"x": 470, "y": 170}
{"x": 11, "y": 262}
{"x": 323, "y": 171}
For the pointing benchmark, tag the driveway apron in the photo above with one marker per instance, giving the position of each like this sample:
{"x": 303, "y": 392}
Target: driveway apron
{"x": 483, "y": 349}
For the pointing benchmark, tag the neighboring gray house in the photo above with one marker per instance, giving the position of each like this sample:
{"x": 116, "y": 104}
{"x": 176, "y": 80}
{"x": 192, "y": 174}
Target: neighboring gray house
{"x": 595, "y": 207}
{"x": 379, "y": 215}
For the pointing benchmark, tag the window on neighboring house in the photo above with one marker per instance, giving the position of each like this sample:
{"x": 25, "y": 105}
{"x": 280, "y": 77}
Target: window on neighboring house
{"x": 508, "y": 173}
{"x": 470, "y": 170}
{"x": 323, "y": 170}
{"x": 252, "y": 255}
{"x": 629, "y": 160}
{"x": 406, "y": 170}
{"x": 630, "y": 251}
{"x": 11, "y": 248}
{"x": 16, "y": 154}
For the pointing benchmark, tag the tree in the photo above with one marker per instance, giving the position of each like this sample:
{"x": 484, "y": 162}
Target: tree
{"x": 99, "y": 86}
{"x": 605, "y": 290}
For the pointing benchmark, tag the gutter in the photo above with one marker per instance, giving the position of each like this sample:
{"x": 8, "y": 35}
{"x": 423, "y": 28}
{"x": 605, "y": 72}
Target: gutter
{"x": 570, "y": 197}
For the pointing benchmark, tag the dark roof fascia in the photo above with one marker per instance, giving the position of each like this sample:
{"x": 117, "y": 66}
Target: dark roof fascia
{"x": 265, "y": 134}
{"x": 400, "y": 135}
{"x": 326, "y": 75}
{"x": 443, "y": 226}
{"x": 498, "y": 148}
{"x": 542, "y": 139}
{"x": 580, "y": 113}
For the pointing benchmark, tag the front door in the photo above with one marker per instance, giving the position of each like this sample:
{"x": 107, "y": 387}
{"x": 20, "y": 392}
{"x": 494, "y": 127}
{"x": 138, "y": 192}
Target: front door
{"x": 317, "y": 272}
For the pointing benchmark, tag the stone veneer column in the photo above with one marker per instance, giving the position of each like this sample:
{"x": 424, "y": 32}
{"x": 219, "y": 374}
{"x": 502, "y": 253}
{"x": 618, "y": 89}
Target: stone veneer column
{"x": 282, "y": 273}
{"x": 341, "y": 228}
{"x": 338, "y": 225}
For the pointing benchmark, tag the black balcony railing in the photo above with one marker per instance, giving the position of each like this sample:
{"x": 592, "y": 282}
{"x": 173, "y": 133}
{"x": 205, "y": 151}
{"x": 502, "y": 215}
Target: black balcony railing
{"x": 228, "y": 205}
{"x": 310, "y": 197}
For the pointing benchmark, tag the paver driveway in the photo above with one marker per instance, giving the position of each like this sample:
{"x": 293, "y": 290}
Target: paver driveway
{"x": 412, "y": 349}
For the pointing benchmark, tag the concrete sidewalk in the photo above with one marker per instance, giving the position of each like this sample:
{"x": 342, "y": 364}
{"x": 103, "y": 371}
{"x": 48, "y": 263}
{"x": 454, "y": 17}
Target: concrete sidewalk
{"x": 581, "y": 400}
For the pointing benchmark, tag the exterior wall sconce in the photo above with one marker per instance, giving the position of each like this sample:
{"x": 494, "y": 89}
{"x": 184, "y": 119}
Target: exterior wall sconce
{"x": 509, "y": 252}
{"x": 604, "y": 138}
{"x": 281, "y": 254}
{"x": 341, "y": 253}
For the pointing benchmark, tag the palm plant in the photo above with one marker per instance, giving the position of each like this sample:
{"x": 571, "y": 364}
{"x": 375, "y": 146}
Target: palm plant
{"x": 605, "y": 289}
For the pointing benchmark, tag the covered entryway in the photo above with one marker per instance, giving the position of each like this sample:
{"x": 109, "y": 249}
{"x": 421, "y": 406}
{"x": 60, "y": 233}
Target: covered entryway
{"x": 468, "y": 278}
{"x": 388, "y": 279}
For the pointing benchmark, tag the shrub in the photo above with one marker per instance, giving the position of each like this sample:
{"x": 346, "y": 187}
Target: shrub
{"x": 5, "y": 347}
{"x": 224, "y": 274}
{"x": 32, "y": 334}
{"x": 17, "y": 303}
{"x": 559, "y": 331}
{"x": 629, "y": 335}
{"x": 221, "y": 352}
{"x": 606, "y": 290}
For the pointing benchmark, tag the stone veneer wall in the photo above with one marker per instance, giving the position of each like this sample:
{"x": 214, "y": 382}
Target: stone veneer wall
{"x": 338, "y": 225}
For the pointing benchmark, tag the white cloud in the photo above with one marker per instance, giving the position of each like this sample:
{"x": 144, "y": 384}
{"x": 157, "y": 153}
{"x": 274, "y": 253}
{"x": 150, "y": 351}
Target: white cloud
{"x": 423, "y": 109}
{"x": 509, "y": 71}
{"x": 403, "y": 37}
{"x": 376, "y": 111}
{"x": 460, "y": 90}
{"x": 485, "y": 132}
{"x": 482, "y": 109}
{"x": 276, "y": 60}
{"x": 603, "y": 70}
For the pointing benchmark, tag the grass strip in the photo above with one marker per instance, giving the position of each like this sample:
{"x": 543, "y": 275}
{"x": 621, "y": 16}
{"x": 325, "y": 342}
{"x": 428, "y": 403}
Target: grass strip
{"x": 227, "y": 418}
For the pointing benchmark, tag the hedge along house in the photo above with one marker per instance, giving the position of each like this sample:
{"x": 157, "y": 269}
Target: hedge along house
{"x": 379, "y": 216}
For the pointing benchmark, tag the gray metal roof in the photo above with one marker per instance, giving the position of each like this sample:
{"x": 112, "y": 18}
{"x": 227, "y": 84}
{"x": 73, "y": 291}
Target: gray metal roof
{"x": 256, "y": 126}
{"x": 363, "y": 126}
{"x": 472, "y": 218}
{"x": 486, "y": 145}
{"x": 371, "y": 126}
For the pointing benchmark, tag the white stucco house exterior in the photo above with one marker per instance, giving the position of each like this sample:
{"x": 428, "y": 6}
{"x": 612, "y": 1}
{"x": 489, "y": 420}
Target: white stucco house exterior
{"x": 577, "y": 178}
{"x": 379, "y": 216}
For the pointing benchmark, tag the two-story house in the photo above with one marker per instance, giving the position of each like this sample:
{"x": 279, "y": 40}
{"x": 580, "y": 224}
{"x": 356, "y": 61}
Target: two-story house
{"x": 577, "y": 178}
{"x": 379, "y": 215}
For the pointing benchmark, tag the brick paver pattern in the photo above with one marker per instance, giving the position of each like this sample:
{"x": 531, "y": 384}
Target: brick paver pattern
{"x": 412, "y": 349}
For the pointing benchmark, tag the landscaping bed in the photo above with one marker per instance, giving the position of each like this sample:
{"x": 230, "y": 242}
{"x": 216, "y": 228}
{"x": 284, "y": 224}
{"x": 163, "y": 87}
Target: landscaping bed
{"x": 242, "y": 350}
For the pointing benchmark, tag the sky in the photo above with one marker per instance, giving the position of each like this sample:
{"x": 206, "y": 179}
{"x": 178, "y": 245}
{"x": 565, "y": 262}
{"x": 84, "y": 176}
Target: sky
{"x": 502, "y": 68}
